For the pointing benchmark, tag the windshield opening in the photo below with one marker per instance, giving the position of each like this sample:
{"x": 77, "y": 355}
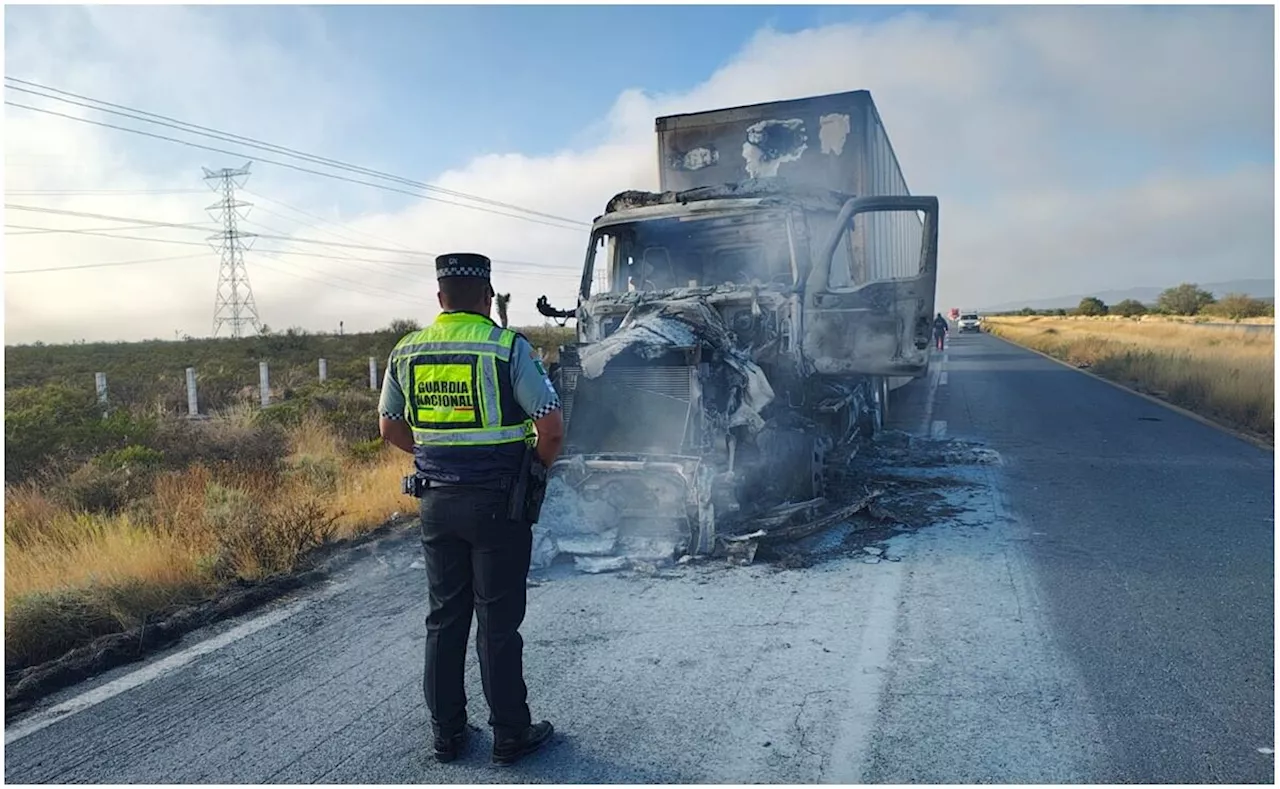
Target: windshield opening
{"x": 689, "y": 252}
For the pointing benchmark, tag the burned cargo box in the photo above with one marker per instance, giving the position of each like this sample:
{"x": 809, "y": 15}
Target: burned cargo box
{"x": 735, "y": 328}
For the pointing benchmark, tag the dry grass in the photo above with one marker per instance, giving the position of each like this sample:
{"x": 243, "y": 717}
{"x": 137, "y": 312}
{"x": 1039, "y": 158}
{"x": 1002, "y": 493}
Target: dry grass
{"x": 1224, "y": 373}
{"x": 71, "y": 576}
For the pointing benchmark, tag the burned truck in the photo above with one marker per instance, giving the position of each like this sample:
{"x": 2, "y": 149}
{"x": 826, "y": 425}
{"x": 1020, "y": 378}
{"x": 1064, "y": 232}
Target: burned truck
{"x": 739, "y": 328}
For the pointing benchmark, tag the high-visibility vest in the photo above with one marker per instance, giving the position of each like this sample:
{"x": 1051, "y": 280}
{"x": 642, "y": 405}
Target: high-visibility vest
{"x": 459, "y": 399}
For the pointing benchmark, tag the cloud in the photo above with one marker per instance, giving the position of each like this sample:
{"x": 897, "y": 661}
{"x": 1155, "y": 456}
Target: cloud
{"x": 1072, "y": 149}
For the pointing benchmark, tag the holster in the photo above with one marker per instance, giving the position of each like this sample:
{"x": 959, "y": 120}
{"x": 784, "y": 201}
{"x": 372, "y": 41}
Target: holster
{"x": 529, "y": 488}
{"x": 414, "y": 485}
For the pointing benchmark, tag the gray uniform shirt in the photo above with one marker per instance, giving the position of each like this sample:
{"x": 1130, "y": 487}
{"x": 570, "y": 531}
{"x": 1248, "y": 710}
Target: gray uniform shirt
{"x": 533, "y": 389}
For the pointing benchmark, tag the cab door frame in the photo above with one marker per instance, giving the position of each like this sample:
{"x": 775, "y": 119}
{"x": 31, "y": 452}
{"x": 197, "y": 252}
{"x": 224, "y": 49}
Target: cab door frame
{"x": 880, "y": 327}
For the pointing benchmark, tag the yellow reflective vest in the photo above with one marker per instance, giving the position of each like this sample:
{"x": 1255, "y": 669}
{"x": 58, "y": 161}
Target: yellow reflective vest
{"x": 459, "y": 400}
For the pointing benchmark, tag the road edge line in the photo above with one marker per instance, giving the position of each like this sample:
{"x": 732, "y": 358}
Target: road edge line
{"x": 1204, "y": 420}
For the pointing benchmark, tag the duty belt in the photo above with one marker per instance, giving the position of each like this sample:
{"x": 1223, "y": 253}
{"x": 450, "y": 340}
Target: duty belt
{"x": 501, "y": 485}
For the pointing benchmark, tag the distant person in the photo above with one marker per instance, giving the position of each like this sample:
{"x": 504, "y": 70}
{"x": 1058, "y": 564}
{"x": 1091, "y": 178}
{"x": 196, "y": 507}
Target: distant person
{"x": 471, "y": 401}
{"x": 940, "y": 329}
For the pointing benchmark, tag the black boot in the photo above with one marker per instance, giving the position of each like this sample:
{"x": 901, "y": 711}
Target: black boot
{"x": 509, "y": 748}
{"x": 448, "y": 744}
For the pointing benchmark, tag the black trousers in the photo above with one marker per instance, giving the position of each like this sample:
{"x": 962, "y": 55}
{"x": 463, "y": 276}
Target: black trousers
{"x": 477, "y": 560}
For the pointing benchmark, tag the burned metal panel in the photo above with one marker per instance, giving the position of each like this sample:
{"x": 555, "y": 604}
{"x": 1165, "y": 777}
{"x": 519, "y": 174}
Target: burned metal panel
{"x": 872, "y": 330}
{"x": 814, "y": 141}
{"x": 881, "y": 327}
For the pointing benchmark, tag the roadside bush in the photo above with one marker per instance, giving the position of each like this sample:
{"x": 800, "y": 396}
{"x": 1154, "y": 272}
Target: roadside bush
{"x": 60, "y": 426}
{"x": 319, "y": 474}
{"x": 350, "y": 412}
{"x": 222, "y": 442}
{"x": 367, "y": 451}
{"x": 1091, "y": 306}
{"x": 41, "y": 626}
{"x": 255, "y": 543}
{"x": 1185, "y": 299}
{"x": 1238, "y": 306}
{"x": 99, "y": 489}
{"x": 1129, "y": 308}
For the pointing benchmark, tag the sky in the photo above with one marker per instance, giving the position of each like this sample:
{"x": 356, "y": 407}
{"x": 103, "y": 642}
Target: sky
{"x": 1073, "y": 149}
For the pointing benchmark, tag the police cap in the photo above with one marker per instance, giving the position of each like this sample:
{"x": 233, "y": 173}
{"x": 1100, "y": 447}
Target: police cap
{"x": 462, "y": 264}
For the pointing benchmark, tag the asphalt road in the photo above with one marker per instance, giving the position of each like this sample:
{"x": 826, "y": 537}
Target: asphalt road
{"x": 1098, "y": 607}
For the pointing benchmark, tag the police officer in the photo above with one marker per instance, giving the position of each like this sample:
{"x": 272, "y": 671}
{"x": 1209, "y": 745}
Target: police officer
{"x": 466, "y": 396}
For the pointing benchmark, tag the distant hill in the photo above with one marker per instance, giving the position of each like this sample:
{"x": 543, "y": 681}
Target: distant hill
{"x": 1257, "y": 288}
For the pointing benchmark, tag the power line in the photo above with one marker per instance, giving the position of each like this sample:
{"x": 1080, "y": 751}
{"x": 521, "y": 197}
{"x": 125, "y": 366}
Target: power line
{"x": 318, "y": 218}
{"x": 105, "y": 265}
{"x": 559, "y": 223}
{"x": 278, "y": 163}
{"x": 206, "y": 131}
{"x": 291, "y": 253}
{"x": 46, "y": 230}
{"x": 108, "y": 217}
{"x": 98, "y": 192}
{"x": 277, "y": 236}
{"x": 366, "y": 288}
{"x": 382, "y": 294}
{"x": 74, "y": 231}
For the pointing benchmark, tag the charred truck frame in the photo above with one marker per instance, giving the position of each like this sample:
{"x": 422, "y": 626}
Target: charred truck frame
{"x": 738, "y": 326}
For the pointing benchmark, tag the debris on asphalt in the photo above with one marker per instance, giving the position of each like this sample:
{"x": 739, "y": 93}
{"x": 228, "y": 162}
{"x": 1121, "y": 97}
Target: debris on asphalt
{"x": 600, "y": 564}
{"x": 897, "y": 483}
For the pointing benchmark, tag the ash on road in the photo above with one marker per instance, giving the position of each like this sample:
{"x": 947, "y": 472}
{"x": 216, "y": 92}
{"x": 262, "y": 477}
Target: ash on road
{"x": 1036, "y": 606}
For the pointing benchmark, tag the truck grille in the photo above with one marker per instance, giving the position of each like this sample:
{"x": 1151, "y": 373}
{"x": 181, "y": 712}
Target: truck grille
{"x": 627, "y": 408}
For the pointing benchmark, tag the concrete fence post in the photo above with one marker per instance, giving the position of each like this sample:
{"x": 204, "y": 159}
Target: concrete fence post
{"x": 193, "y": 407}
{"x": 264, "y": 384}
{"x": 324, "y": 370}
{"x": 100, "y": 385}
{"x": 373, "y": 373}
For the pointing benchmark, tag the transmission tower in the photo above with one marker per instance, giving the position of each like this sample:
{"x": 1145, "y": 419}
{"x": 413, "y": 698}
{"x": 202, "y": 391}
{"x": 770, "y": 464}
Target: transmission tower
{"x": 233, "y": 304}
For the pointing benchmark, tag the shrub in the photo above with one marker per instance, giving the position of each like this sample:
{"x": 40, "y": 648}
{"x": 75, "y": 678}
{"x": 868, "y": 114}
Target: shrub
{"x": 316, "y": 473}
{"x": 350, "y": 412}
{"x": 1185, "y": 299}
{"x": 97, "y": 488}
{"x": 1238, "y": 306}
{"x": 402, "y": 326}
{"x": 1091, "y": 306}
{"x": 1129, "y": 308}
{"x": 222, "y": 442}
{"x": 367, "y": 451}
{"x": 61, "y": 426}
{"x": 254, "y": 543}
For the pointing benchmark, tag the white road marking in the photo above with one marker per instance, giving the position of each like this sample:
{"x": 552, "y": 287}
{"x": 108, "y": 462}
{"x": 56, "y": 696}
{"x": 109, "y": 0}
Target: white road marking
{"x": 168, "y": 665}
{"x": 938, "y": 430}
{"x": 848, "y": 756}
{"x": 1267, "y": 751}
{"x": 935, "y": 377}
{"x": 942, "y": 379}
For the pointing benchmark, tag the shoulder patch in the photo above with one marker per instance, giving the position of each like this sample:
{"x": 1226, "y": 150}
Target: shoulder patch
{"x": 538, "y": 363}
